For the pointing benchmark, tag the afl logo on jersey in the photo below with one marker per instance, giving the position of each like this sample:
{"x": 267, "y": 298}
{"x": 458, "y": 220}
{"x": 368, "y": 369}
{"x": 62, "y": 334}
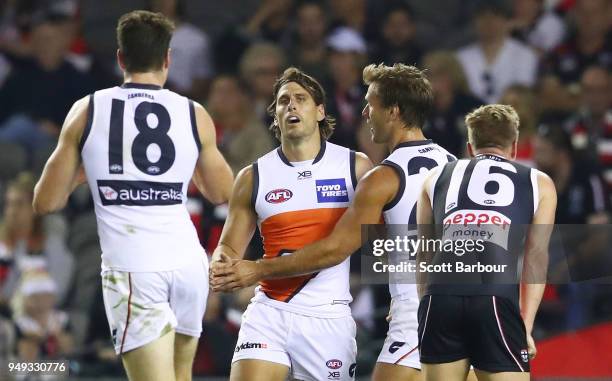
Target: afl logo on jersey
{"x": 334, "y": 364}
{"x": 153, "y": 169}
{"x": 277, "y": 196}
{"x": 116, "y": 168}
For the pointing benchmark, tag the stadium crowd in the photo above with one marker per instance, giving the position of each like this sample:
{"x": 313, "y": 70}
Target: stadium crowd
{"x": 550, "y": 59}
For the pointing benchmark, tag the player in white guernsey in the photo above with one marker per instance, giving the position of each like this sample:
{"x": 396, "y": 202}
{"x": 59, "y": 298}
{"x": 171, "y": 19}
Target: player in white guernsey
{"x": 398, "y": 101}
{"x": 302, "y": 325}
{"x": 140, "y": 147}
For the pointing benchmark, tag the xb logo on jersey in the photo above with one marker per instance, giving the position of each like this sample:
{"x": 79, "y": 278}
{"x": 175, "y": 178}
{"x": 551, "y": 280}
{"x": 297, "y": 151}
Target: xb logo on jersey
{"x": 277, "y": 196}
{"x": 304, "y": 175}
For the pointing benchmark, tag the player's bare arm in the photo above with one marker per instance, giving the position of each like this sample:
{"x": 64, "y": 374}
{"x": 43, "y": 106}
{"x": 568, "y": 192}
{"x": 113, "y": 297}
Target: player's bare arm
{"x": 212, "y": 175}
{"x": 240, "y": 223}
{"x": 377, "y": 188}
{"x": 425, "y": 228}
{"x": 536, "y": 255}
{"x": 62, "y": 172}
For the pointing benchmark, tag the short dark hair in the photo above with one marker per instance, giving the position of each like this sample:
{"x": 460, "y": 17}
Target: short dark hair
{"x": 314, "y": 88}
{"x": 143, "y": 38}
{"x": 403, "y": 86}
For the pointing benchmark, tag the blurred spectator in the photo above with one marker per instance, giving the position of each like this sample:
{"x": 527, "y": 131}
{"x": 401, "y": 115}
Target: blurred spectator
{"x": 346, "y": 92}
{"x": 42, "y": 330}
{"x": 242, "y": 136}
{"x": 590, "y": 43}
{"x": 496, "y": 61}
{"x": 523, "y": 99}
{"x": 27, "y": 242}
{"x": 582, "y": 197}
{"x": 452, "y": 101}
{"x": 260, "y": 65}
{"x": 397, "y": 38}
{"x": 309, "y": 52}
{"x": 38, "y": 94}
{"x": 270, "y": 21}
{"x": 191, "y": 66}
{"x": 591, "y": 126}
{"x": 533, "y": 24}
{"x": 581, "y": 200}
{"x": 360, "y": 15}
{"x": 453, "y": 23}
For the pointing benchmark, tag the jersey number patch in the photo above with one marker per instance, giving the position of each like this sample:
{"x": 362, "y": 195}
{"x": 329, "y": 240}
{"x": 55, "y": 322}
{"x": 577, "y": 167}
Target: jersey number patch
{"x": 153, "y": 123}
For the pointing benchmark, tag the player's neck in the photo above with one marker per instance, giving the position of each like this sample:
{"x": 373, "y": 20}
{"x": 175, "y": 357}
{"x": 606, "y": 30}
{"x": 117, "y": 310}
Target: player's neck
{"x": 404, "y": 135}
{"x": 493, "y": 151}
{"x": 150, "y": 78}
{"x": 301, "y": 149}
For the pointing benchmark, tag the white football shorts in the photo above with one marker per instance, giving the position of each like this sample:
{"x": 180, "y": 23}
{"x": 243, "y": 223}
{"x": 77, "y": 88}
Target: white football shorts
{"x": 401, "y": 345}
{"x": 143, "y": 306}
{"x": 313, "y": 348}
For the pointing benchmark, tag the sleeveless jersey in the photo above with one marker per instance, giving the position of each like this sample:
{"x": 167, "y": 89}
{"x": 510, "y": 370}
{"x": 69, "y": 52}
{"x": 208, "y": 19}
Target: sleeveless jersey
{"x": 139, "y": 150}
{"x": 495, "y": 199}
{"x": 297, "y": 204}
{"x": 411, "y": 161}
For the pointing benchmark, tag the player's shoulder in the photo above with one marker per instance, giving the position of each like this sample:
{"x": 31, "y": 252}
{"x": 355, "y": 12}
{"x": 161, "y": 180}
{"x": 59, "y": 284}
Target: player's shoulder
{"x": 380, "y": 184}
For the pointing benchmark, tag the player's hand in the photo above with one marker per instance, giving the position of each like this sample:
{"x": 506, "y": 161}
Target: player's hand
{"x": 220, "y": 266}
{"x": 531, "y": 347}
{"x": 231, "y": 277}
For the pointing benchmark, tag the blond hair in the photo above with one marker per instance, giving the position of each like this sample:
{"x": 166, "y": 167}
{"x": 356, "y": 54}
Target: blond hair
{"x": 493, "y": 125}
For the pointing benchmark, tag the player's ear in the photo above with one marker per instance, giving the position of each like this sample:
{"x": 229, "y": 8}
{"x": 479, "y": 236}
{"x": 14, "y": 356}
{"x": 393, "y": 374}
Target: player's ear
{"x": 167, "y": 59}
{"x": 514, "y": 149}
{"x": 320, "y": 112}
{"x": 120, "y": 59}
{"x": 394, "y": 111}
{"x": 470, "y": 150}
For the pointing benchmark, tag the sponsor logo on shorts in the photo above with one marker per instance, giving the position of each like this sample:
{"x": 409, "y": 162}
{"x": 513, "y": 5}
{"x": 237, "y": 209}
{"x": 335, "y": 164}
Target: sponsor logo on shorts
{"x": 331, "y": 190}
{"x": 352, "y": 369}
{"x": 524, "y": 355}
{"x": 139, "y": 193}
{"x": 248, "y": 345}
{"x": 334, "y": 364}
{"x": 335, "y": 375}
{"x": 395, "y": 346}
{"x": 277, "y": 196}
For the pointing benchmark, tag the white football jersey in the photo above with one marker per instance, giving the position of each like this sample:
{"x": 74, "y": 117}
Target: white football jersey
{"x": 298, "y": 203}
{"x": 139, "y": 150}
{"x": 411, "y": 161}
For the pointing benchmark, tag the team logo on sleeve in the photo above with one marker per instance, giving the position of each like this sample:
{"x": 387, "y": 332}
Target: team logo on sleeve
{"x": 331, "y": 190}
{"x": 277, "y": 196}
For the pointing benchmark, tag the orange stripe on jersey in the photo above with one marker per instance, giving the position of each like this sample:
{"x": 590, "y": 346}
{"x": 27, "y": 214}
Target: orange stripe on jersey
{"x": 288, "y": 232}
